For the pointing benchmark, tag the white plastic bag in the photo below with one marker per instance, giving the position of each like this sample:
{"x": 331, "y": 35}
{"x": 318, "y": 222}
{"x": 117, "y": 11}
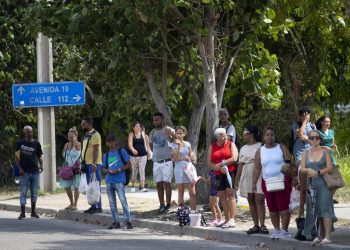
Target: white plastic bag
{"x": 83, "y": 184}
{"x": 93, "y": 192}
{"x": 191, "y": 173}
{"x": 294, "y": 201}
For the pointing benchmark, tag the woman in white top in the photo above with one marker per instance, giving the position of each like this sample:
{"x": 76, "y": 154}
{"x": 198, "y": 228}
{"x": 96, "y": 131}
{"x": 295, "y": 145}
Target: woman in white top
{"x": 71, "y": 154}
{"x": 269, "y": 160}
{"x": 183, "y": 156}
{"x": 245, "y": 179}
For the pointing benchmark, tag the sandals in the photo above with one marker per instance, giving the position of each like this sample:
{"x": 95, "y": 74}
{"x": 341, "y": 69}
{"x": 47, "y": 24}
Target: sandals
{"x": 254, "y": 230}
{"x": 264, "y": 230}
{"x": 68, "y": 208}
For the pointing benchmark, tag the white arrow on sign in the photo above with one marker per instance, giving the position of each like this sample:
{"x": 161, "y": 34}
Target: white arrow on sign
{"x": 21, "y": 90}
{"x": 77, "y": 98}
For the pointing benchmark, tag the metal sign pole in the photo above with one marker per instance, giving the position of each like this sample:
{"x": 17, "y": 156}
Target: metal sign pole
{"x": 46, "y": 116}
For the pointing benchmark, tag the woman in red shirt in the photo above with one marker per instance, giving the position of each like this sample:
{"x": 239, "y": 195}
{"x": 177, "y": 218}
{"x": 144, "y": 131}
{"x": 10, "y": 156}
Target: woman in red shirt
{"x": 221, "y": 157}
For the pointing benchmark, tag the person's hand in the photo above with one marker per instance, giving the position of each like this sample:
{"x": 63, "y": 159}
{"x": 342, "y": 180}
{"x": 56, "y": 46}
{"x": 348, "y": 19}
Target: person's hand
{"x": 41, "y": 169}
{"x": 311, "y": 173}
{"x": 223, "y": 170}
{"x": 21, "y": 172}
{"x": 334, "y": 147}
{"x": 94, "y": 168}
{"x": 177, "y": 142}
{"x": 134, "y": 151}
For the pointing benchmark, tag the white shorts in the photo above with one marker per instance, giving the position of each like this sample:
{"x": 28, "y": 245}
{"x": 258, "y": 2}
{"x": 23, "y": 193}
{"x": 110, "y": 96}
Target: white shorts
{"x": 163, "y": 171}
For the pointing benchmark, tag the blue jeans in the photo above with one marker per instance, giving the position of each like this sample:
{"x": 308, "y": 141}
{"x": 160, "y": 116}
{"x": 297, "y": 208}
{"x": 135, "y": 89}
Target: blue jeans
{"x": 33, "y": 180}
{"x": 120, "y": 189}
{"x": 89, "y": 173}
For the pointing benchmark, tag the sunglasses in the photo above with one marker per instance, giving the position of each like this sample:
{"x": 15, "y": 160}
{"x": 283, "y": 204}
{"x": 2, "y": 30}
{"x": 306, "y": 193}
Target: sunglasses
{"x": 314, "y": 138}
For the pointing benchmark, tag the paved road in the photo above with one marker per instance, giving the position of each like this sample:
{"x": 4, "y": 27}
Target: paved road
{"x": 50, "y": 233}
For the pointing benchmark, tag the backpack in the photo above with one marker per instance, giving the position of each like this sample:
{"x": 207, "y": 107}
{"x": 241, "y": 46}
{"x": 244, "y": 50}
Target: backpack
{"x": 237, "y": 141}
{"x": 127, "y": 171}
{"x": 183, "y": 215}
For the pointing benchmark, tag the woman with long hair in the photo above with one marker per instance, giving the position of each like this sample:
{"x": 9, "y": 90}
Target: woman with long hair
{"x": 315, "y": 163}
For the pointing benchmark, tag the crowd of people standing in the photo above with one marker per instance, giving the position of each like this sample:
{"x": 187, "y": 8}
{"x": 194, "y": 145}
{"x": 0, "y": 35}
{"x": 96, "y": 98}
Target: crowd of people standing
{"x": 255, "y": 170}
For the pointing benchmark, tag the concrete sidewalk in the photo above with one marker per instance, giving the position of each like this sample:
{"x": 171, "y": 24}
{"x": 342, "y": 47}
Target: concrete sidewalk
{"x": 144, "y": 202}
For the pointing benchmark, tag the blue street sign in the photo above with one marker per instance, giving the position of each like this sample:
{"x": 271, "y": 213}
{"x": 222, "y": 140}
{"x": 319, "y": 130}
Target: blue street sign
{"x": 48, "y": 94}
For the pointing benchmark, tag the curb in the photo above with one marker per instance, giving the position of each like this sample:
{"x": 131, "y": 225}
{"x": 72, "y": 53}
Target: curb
{"x": 228, "y": 236}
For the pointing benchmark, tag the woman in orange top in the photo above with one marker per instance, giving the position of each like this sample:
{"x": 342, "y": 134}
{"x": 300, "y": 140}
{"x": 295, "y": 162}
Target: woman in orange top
{"x": 221, "y": 157}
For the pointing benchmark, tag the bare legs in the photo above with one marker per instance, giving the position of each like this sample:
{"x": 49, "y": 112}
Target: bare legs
{"x": 214, "y": 207}
{"x": 327, "y": 224}
{"x": 73, "y": 200}
{"x": 275, "y": 219}
{"x": 192, "y": 193}
{"x": 257, "y": 208}
{"x": 228, "y": 200}
{"x": 161, "y": 187}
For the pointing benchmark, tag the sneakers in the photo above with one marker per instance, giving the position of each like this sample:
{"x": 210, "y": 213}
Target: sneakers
{"x": 161, "y": 209}
{"x": 129, "y": 226}
{"x": 212, "y": 223}
{"x": 325, "y": 241}
{"x": 132, "y": 190}
{"x": 144, "y": 189}
{"x": 219, "y": 223}
{"x": 275, "y": 233}
{"x": 89, "y": 210}
{"x": 283, "y": 234}
{"x": 93, "y": 210}
{"x": 115, "y": 225}
{"x": 316, "y": 241}
{"x": 22, "y": 216}
{"x": 34, "y": 215}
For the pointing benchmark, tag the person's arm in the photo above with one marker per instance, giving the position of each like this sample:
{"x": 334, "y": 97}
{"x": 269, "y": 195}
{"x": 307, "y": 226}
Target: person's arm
{"x": 147, "y": 143}
{"x": 127, "y": 165}
{"x": 104, "y": 164}
{"x": 175, "y": 150}
{"x": 239, "y": 172}
{"x": 301, "y": 133}
{"x": 130, "y": 144}
{"x": 77, "y": 144}
{"x": 150, "y": 139}
{"x": 334, "y": 146}
{"x": 191, "y": 154}
{"x": 40, "y": 158}
{"x": 303, "y": 184}
{"x": 234, "y": 154}
{"x": 329, "y": 166}
{"x": 257, "y": 169}
{"x": 286, "y": 154}
{"x": 17, "y": 159}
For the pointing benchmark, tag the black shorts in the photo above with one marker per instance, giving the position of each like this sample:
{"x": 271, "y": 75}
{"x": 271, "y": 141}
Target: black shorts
{"x": 222, "y": 183}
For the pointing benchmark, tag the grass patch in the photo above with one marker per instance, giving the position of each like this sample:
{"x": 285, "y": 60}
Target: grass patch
{"x": 343, "y": 160}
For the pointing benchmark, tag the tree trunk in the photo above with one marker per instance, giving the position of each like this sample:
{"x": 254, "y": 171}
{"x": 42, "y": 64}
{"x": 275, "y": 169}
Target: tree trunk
{"x": 194, "y": 126}
{"x": 347, "y": 8}
{"x": 158, "y": 100}
{"x": 206, "y": 46}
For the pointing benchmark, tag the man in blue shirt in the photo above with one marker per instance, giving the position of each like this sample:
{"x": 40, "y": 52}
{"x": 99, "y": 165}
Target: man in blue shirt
{"x": 114, "y": 165}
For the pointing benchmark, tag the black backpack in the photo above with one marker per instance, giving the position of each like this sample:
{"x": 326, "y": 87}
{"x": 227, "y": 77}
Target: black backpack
{"x": 127, "y": 172}
{"x": 183, "y": 215}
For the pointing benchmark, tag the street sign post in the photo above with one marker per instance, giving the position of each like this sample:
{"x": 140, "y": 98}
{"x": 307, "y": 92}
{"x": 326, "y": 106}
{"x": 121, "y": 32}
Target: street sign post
{"x": 33, "y": 95}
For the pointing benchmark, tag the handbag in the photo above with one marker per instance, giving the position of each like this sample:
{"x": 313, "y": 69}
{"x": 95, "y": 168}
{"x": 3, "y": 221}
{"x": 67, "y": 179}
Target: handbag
{"x": 334, "y": 180}
{"x": 300, "y": 221}
{"x": 66, "y": 173}
{"x": 275, "y": 184}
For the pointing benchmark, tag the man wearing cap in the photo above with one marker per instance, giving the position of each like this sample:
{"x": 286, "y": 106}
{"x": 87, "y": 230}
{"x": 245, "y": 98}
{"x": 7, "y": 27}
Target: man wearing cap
{"x": 91, "y": 157}
{"x": 301, "y": 130}
{"x": 115, "y": 162}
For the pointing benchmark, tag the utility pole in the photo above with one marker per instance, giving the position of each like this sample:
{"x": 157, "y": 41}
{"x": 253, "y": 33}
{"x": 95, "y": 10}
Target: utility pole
{"x": 46, "y": 116}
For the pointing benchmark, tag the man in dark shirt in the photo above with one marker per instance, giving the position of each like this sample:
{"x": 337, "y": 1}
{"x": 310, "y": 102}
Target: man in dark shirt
{"x": 30, "y": 163}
